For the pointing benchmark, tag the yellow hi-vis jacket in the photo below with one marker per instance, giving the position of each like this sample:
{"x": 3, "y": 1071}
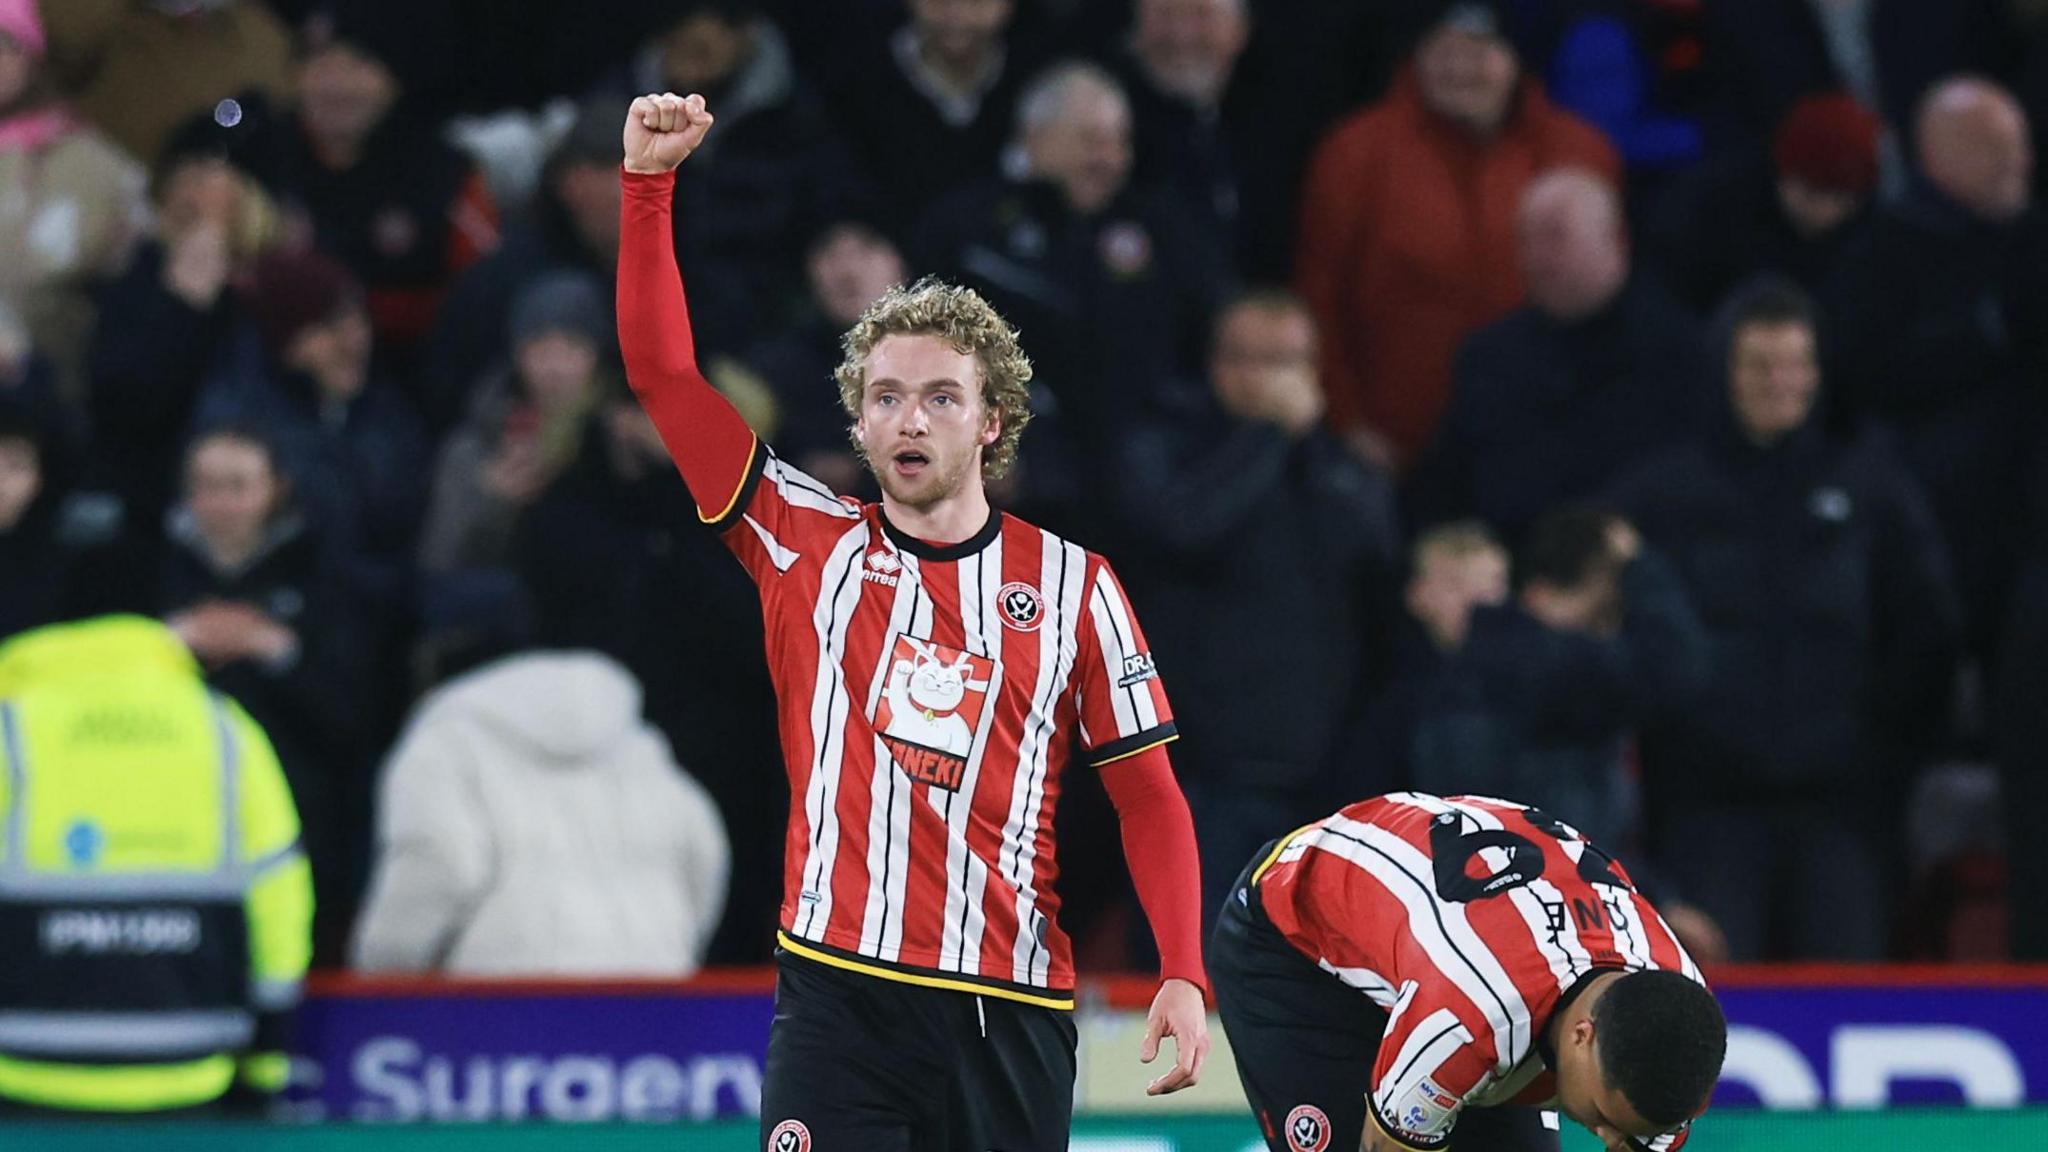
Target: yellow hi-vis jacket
{"x": 155, "y": 908}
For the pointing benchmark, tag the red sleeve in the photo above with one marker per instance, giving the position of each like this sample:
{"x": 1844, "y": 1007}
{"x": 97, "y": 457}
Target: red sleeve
{"x": 1436, "y": 1050}
{"x": 710, "y": 444}
{"x": 1159, "y": 845}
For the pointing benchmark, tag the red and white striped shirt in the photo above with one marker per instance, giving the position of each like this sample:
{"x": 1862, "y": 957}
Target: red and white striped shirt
{"x": 930, "y": 699}
{"x": 930, "y": 696}
{"x": 1468, "y": 919}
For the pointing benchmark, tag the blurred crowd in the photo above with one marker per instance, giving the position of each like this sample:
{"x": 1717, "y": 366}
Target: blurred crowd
{"x": 1630, "y": 407}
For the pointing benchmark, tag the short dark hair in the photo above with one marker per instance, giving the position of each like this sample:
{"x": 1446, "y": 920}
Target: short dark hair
{"x": 1662, "y": 1039}
{"x": 1767, "y": 301}
{"x": 1266, "y": 298}
{"x": 240, "y": 431}
{"x": 726, "y": 11}
{"x": 1568, "y": 545}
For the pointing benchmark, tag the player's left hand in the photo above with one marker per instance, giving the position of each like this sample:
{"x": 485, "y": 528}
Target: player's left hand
{"x": 1177, "y": 1012}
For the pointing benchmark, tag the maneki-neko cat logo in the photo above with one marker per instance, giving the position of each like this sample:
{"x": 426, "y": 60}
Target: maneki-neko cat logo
{"x": 932, "y": 706}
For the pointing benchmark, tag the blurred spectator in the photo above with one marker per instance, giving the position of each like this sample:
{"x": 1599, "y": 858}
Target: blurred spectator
{"x": 258, "y": 595}
{"x": 257, "y": 145}
{"x": 140, "y": 68}
{"x": 1763, "y": 55}
{"x": 1457, "y": 569}
{"x": 173, "y": 317}
{"x": 1116, "y": 285}
{"x": 32, "y": 585}
{"x": 1541, "y": 699}
{"x": 760, "y": 182}
{"x": 930, "y": 109}
{"x": 26, "y": 380}
{"x": 819, "y": 34}
{"x": 1409, "y": 206}
{"x": 1832, "y": 622}
{"x": 1453, "y": 570}
{"x": 530, "y": 823}
{"x": 1105, "y": 225}
{"x": 180, "y": 834}
{"x": 1263, "y": 553}
{"x": 1793, "y": 213}
{"x": 302, "y": 373}
{"x": 1177, "y": 70}
{"x": 527, "y": 425}
{"x": 2021, "y": 731}
{"x": 1305, "y": 64}
{"x": 71, "y": 204}
{"x": 1600, "y": 368}
{"x": 351, "y": 443}
{"x": 56, "y": 556}
{"x": 389, "y": 198}
{"x": 849, "y": 264}
{"x": 614, "y": 557}
{"x": 1538, "y": 698}
{"x": 2030, "y": 18}
{"x": 1943, "y": 330}
{"x": 22, "y": 380}
{"x": 486, "y": 56}
{"x": 575, "y": 225}
{"x": 2021, "y": 727}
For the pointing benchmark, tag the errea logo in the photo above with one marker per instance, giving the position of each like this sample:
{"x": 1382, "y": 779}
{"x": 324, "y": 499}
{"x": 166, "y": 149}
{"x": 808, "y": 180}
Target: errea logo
{"x": 882, "y": 568}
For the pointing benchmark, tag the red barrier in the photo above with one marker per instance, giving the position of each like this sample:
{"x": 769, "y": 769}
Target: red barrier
{"x": 1130, "y": 990}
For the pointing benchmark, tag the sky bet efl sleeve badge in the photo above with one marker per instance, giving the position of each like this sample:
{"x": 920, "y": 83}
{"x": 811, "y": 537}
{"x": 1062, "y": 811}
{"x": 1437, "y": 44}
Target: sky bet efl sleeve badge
{"x": 932, "y": 708}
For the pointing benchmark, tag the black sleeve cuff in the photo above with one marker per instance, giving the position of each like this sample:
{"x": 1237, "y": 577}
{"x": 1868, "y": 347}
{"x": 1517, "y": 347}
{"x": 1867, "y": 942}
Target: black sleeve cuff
{"x": 1132, "y": 745}
{"x": 757, "y": 463}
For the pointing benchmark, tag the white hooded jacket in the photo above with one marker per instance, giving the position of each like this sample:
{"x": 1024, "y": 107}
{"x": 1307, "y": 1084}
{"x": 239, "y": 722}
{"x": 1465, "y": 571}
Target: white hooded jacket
{"x": 532, "y": 824}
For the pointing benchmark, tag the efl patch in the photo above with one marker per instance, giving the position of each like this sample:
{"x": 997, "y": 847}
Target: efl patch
{"x": 1444, "y": 1099}
{"x": 1308, "y": 1129}
{"x": 790, "y": 1136}
{"x": 1425, "y": 1109}
{"x": 1021, "y": 605}
{"x": 933, "y": 703}
{"x": 1409, "y": 1123}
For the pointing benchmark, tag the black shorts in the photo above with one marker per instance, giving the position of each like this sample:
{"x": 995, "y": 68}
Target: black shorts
{"x": 857, "y": 1063}
{"x": 1305, "y": 1042}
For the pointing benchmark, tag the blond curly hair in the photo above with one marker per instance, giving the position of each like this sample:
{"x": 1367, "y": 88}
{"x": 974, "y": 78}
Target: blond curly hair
{"x": 960, "y": 317}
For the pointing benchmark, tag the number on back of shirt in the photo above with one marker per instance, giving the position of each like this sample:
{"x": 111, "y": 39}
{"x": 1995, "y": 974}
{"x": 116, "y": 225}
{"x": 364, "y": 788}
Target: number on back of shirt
{"x": 1473, "y": 863}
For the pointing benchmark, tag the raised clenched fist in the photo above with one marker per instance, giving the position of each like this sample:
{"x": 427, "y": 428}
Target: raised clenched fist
{"x": 662, "y": 130}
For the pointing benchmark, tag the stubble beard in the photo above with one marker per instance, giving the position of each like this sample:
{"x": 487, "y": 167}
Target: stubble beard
{"x": 926, "y": 492}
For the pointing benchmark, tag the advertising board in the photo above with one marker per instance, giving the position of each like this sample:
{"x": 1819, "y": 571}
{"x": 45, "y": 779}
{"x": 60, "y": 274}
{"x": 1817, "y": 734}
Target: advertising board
{"x": 1799, "y": 1040}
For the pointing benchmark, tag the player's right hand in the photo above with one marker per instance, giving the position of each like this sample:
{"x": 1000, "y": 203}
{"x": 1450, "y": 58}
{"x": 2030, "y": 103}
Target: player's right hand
{"x": 662, "y": 130}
